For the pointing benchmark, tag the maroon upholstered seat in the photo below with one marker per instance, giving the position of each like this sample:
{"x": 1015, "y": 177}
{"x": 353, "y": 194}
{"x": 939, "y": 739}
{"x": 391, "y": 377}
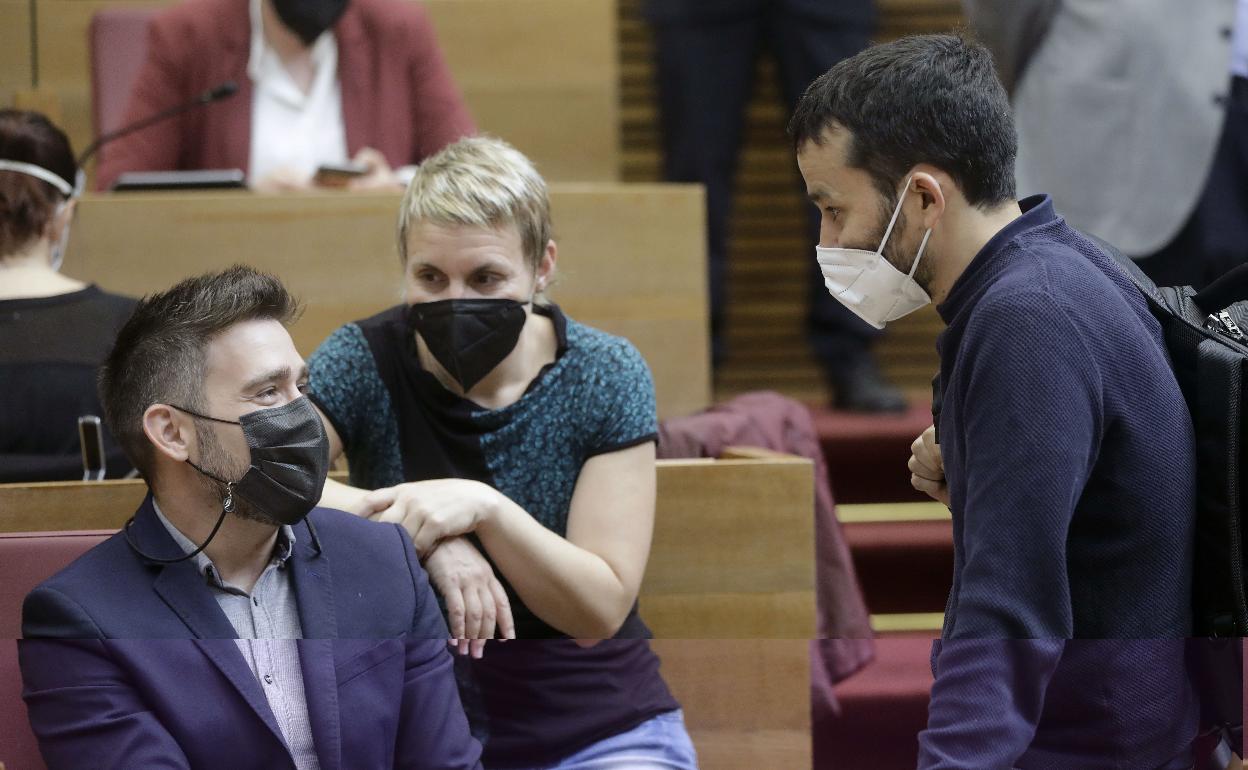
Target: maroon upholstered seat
{"x": 26, "y": 559}
{"x": 18, "y": 748}
{"x": 29, "y": 558}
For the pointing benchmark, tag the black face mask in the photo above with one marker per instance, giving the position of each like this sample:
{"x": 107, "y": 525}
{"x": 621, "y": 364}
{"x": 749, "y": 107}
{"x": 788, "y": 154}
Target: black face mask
{"x": 469, "y": 337}
{"x": 289, "y": 465}
{"x": 309, "y": 18}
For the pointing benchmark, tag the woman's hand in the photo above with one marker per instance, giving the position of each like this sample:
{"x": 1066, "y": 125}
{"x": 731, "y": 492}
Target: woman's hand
{"x": 476, "y": 604}
{"x": 431, "y": 511}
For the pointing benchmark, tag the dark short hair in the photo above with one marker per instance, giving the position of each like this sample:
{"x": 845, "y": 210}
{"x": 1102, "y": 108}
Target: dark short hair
{"x": 920, "y": 99}
{"x": 160, "y": 353}
{"x": 27, "y": 204}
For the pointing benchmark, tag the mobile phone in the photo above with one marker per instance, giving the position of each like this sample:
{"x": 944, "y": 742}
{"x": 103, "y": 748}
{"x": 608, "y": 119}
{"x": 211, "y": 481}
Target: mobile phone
{"x": 338, "y": 174}
{"x": 92, "y": 440}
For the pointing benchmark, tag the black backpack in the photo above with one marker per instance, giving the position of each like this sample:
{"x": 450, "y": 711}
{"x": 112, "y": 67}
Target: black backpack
{"x": 1206, "y": 335}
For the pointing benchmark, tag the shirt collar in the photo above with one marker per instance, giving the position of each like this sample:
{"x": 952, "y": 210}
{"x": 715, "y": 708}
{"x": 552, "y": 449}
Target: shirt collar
{"x": 282, "y": 549}
{"x": 1037, "y": 210}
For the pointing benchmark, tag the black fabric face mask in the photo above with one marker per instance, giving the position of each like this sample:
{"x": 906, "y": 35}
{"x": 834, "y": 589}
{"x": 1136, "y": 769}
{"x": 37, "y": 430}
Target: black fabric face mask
{"x": 289, "y": 460}
{"x": 469, "y": 337}
{"x": 289, "y": 465}
{"x": 309, "y": 18}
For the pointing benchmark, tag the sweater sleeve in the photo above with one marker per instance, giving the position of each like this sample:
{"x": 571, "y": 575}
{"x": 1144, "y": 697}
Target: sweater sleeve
{"x": 986, "y": 701}
{"x": 1033, "y": 413}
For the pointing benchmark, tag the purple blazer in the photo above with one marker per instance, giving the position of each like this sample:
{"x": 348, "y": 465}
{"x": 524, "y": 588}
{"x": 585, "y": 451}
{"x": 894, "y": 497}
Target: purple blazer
{"x": 191, "y": 703}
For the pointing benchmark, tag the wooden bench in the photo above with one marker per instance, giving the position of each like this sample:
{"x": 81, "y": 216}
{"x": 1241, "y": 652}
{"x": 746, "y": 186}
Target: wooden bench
{"x": 631, "y": 261}
{"x": 543, "y": 74}
{"x": 732, "y": 556}
{"x": 746, "y": 701}
{"x": 729, "y": 593}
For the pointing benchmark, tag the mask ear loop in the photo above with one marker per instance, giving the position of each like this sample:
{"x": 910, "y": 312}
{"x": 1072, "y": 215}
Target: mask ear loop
{"x": 220, "y": 520}
{"x": 913, "y": 267}
{"x": 896, "y": 213}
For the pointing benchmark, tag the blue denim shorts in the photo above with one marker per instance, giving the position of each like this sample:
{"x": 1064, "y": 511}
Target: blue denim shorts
{"x": 659, "y": 743}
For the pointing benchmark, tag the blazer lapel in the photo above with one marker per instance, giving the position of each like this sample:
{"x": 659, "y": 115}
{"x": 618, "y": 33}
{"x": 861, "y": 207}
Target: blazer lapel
{"x": 179, "y": 585}
{"x": 314, "y": 585}
{"x": 231, "y": 119}
{"x": 320, "y": 687}
{"x": 226, "y": 657}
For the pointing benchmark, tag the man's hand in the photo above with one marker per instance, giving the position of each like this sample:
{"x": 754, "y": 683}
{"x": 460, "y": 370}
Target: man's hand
{"x": 476, "y": 604}
{"x": 433, "y": 510}
{"x": 927, "y": 470}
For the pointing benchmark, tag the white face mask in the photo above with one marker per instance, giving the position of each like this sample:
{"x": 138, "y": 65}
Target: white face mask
{"x": 867, "y": 284}
{"x": 70, "y": 193}
{"x": 62, "y": 243}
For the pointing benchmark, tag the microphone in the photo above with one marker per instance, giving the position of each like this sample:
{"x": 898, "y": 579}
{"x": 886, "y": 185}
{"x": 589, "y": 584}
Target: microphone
{"x": 217, "y": 93}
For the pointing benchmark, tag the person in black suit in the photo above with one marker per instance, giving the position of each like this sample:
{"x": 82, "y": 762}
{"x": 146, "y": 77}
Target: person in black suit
{"x": 706, "y": 52}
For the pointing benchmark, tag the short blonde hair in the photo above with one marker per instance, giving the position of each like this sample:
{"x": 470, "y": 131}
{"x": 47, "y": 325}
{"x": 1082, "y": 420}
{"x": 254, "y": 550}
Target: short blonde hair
{"x": 481, "y": 181}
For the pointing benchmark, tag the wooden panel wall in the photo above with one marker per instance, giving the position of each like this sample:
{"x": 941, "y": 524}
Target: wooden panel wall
{"x": 15, "y": 57}
{"x": 630, "y": 260}
{"x": 769, "y": 251}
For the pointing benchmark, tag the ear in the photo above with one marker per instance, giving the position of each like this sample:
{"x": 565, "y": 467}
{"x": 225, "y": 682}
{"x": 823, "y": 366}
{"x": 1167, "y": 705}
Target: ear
{"x": 169, "y": 431}
{"x": 546, "y": 268}
{"x": 932, "y": 200}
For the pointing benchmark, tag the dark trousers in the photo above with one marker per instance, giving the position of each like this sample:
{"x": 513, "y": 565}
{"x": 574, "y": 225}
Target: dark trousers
{"x": 705, "y": 75}
{"x": 1215, "y": 237}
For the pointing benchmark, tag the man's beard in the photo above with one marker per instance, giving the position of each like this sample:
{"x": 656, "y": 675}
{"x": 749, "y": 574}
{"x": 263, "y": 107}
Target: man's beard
{"x": 897, "y": 255}
{"x": 214, "y": 459}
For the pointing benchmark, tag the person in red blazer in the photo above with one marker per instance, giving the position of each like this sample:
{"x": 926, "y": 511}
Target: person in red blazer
{"x": 398, "y": 101}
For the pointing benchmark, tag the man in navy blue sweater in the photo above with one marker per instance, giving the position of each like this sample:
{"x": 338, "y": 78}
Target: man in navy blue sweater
{"x": 1065, "y": 441}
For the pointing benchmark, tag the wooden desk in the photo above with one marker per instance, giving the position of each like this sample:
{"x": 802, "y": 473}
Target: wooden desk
{"x": 746, "y": 701}
{"x": 631, "y": 261}
{"x": 542, "y": 74}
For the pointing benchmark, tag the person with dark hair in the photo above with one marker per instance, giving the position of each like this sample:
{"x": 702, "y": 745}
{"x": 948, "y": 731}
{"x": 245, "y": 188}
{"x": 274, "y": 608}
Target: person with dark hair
{"x": 54, "y": 330}
{"x": 1064, "y": 447}
{"x": 204, "y": 390}
{"x": 706, "y": 52}
{"x": 320, "y": 82}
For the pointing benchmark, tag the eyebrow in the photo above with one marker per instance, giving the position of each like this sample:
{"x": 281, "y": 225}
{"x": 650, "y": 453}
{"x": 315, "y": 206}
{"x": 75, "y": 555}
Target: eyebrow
{"x": 275, "y": 375}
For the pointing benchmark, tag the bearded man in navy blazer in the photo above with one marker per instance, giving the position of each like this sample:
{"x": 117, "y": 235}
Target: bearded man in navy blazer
{"x": 231, "y": 622}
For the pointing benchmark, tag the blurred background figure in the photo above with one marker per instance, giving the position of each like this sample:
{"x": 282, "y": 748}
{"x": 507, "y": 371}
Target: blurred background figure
{"x": 54, "y": 331}
{"x": 1133, "y": 115}
{"x": 320, "y": 82}
{"x": 706, "y": 52}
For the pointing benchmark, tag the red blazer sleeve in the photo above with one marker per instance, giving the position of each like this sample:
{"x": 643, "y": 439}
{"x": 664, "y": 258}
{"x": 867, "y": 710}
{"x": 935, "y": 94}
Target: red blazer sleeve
{"x": 440, "y": 116}
{"x": 160, "y": 85}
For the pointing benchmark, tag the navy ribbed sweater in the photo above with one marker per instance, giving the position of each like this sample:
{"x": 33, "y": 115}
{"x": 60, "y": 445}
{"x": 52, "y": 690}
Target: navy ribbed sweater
{"x": 1069, "y": 455}
{"x": 1067, "y": 446}
{"x": 1059, "y": 704}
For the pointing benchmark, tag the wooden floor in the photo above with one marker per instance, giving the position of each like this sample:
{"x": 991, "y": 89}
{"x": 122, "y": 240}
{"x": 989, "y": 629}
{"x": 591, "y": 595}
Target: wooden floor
{"x": 768, "y": 253}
